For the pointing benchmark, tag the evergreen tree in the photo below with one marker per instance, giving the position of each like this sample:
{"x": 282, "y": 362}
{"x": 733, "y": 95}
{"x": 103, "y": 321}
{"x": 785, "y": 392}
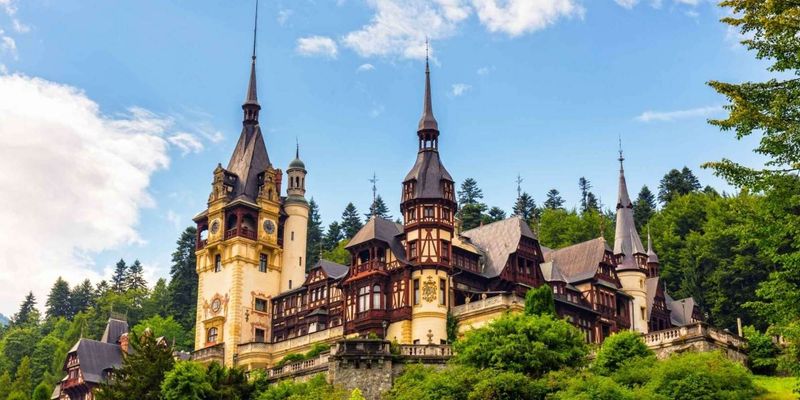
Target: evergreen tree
{"x": 5, "y": 384}
{"x": 351, "y": 222}
{"x": 101, "y": 289}
{"x": 677, "y": 183}
{"x": 160, "y": 302}
{"x": 23, "y": 383}
{"x": 27, "y": 313}
{"x": 42, "y": 392}
{"x": 118, "y": 279}
{"x": 472, "y": 215}
{"x": 469, "y": 193}
{"x": 58, "y": 302}
{"x": 592, "y": 203}
{"x": 584, "y": 186}
{"x": 378, "y": 208}
{"x": 82, "y": 297}
{"x": 142, "y": 371}
{"x": 332, "y": 237}
{"x": 496, "y": 214}
{"x": 182, "y": 288}
{"x": 314, "y": 241}
{"x": 644, "y": 207}
{"x": 554, "y": 200}
{"x": 526, "y": 208}
{"x": 134, "y": 279}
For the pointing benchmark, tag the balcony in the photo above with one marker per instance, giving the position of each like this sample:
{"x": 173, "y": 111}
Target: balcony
{"x": 210, "y": 354}
{"x": 202, "y": 243}
{"x": 499, "y": 303}
{"x": 300, "y": 367}
{"x": 369, "y": 266}
{"x": 429, "y": 351}
{"x": 697, "y": 330}
{"x": 262, "y": 349}
{"x": 241, "y": 231}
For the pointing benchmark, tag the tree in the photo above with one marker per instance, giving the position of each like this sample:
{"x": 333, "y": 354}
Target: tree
{"x": 495, "y": 214}
{"x": 27, "y": 313}
{"x": 81, "y": 297}
{"x": 134, "y": 278}
{"x": 338, "y": 254}
{"x": 469, "y": 193}
{"x": 472, "y": 215}
{"x": 142, "y": 371}
{"x": 351, "y": 222}
{"x": 379, "y": 209}
{"x": 508, "y": 385}
{"x": 619, "y": 348}
{"x": 554, "y": 200}
{"x": 528, "y": 344}
{"x": 23, "y": 383}
{"x": 18, "y": 344}
{"x": 587, "y": 386}
{"x": 314, "y": 238}
{"x": 540, "y": 301}
{"x": 526, "y": 208}
{"x": 159, "y": 301}
{"x": 693, "y": 375}
{"x": 182, "y": 288}
{"x": 762, "y": 353}
{"x": 584, "y": 186}
{"x": 58, "y": 302}
{"x": 5, "y": 384}
{"x": 592, "y": 203}
{"x": 677, "y": 183}
{"x": 332, "y": 237}
{"x": 187, "y": 381}
{"x": 42, "y": 392}
{"x": 560, "y": 228}
{"x": 118, "y": 278}
{"x": 644, "y": 207}
{"x": 356, "y": 395}
{"x": 46, "y": 352}
{"x": 167, "y": 328}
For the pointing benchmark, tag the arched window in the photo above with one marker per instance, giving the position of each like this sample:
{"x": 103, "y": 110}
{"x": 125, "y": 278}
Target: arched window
{"x": 376, "y": 297}
{"x": 211, "y": 335}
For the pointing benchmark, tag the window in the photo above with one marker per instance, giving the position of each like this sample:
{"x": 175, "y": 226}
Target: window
{"x": 290, "y": 283}
{"x": 292, "y": 236}
{"x": 261, "y": 305}
{"x": 376, "y": 297}
{"x": 442, "y": 292}
{"x": 412, "y": 250}
{"x": 300, "y": 263}
{"x": 643, "y": 312}
{"x": 445, "y": 250}
{"x": 412, "y": 214}
{"x": 446, "y": 214}
{"x": 263, "y": 260}
{"x": 261, "y": 335}
{"x": 363, "y": 299}
{"x": 416, "y": 292}
{"x": 217, "y": 263}
{"x": 211, "y": 335}
{"x": 428, "y": 212}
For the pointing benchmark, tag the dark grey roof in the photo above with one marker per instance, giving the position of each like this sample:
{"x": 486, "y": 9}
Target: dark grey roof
{"x": 382, "y": 229}
{"x": 249, "y": 159}
{"x": 332, "y": 269}
{"x": 551, "y": 273}
{"x": 651, "y": 285}
{"x": 652, "y": 257}
{"x": 498, "y": 240}
{"x": 429, "y": 172}
{"x": 579, "y": 261}
{"x": 681, "y": 310}
{"x": 427, "y": 121}
{"x": 252, "y": 90}
{"x": 629, "y": 264}
{"x": 297, "y": 162}
{"x": 114, "y": 329}
{"x": 626, "y": 239}
{"x": 96, "y": 358}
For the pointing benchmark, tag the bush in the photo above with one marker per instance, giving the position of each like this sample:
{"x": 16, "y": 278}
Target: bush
{"x": 290, "y": 358}
{"x": 619, "y": 348}
{"x": 540, "y": 301}
{"x": 316, "y": 388}
{"x": 508, "y": 386}
{"x": 635, "y": 373}
{"x": 698, "y": 376}
{"x": 316, "y": 350}
{"x": 420, "y": 382}
{"x": 761, "y": 351}
{"x": 186, "y": 381}
{"x": 588, "y": 386}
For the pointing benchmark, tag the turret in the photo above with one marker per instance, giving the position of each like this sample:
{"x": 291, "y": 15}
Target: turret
{"x": 295, "y": 229}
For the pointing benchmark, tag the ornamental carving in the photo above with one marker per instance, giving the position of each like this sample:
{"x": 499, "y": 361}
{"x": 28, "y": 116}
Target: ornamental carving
{"x": 429, "y": 290}
{"x": 217, "y": 304}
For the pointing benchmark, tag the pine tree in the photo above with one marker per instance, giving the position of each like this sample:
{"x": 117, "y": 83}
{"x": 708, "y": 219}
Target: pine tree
{"x": 82, "y": 297}
{"x": 554, "y": 200}
{"x": 118, "y": 279}
{"x": 141, "y": 372}
{"x": 644, "y": 207}
{"x": 160, "y": 302}
{"x": 5, "y": 384}
{"x": 378, "y": 208}
{"x": 23, "y": 383}
{"x": 134, "y": 278}
{"x": 182, "y": 286}
{"x": 27, "y": 313}
{"x": 101, "y": 289}
{"x": 332, "y": 237}
{"x": 58, "y": 302}
{"x": 314, "y": 241}
{"x": 469, "y": 193}
{"x": 526, "y": 208}
{"x": 584, "y": 186}
{"x": 677, "y": 183}
{"x": 495, "y": 214}
{"x": 592, "y": 203}
{"x": 351, "y": 222}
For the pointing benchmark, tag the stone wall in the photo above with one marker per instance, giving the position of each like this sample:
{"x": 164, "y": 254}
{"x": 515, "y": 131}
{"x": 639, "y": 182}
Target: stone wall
{"x": 698, "y": 337}
{"x": 365, "y": 364}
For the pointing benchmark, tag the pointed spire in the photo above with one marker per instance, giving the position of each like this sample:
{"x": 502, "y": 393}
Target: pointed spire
{"x": 251, "y": 106}
{"x": 428, "y": 121}
{"x": 652, "y": 257}
{"x": 297, "y": 150}
{"x": 626, "y": 239}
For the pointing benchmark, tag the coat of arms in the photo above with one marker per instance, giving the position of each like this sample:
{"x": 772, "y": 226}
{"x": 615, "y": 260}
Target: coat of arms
{"x": 429, "y": 290}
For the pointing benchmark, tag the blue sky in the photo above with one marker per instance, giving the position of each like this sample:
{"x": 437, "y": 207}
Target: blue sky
{"x": 536, "y": 88}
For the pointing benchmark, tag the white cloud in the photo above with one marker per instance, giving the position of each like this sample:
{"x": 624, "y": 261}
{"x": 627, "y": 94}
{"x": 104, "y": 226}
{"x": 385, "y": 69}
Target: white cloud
{"x": 186, "y": 142}
{"x": 9, "y": 6}
{"x": 377, "y": 110}
{"x": 317, "y": 46}
{"x": 173, "y": 218}
{"x": 3, "y": 69}
{"x": 484, "y": 70}
{"x": 666, "y": 116}
{"x": 692, "y": 14}
{"x": 626, "y": 3}
{"x": 516, "y": 17}
{"x": 8, "y": 45}
{"x": 460, "y": 89}
{"x": 74, "y": 185}
{"x": 283, "y": 16}
{"x": 19, "y": 27}
{"x": 365, "y": 67}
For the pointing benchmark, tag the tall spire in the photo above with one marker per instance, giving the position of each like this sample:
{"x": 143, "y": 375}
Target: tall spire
{"x": 626, "y": 239}
{"x": 652, "y": 257}
{"x": 428, "y": 121}
{"x": 251, "y": 106}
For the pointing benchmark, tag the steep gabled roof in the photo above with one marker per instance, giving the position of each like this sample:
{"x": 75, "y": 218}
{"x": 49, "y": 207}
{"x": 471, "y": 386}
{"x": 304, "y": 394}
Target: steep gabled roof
{"x": 429, "y": 172}
{"x": 332, "y": 269}
{"x": 382, "y": 229}
{"x": 651, "y": 285}
{"x": 551, "y": 273}
{"x": 249, "y": 159}
{"x": 579, "y": 261}
{"x": 681, "y": 310}
{"x": 498, "y": 240}
{"x": 114, "y": 329}
{"x": 96, "y": 358}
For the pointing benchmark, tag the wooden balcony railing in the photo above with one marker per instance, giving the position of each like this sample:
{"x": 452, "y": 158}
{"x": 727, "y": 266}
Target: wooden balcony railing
{"x": 72, "y": 382}
{"x": 369, "y": 266}
{"x": 241, "y": 231}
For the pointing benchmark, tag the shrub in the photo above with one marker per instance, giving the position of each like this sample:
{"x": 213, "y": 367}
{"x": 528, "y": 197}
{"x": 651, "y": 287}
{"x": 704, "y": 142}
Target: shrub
{"x": 290, "y": 358}
{"x": 420, "y": 382}
{"x": 540, "y": 301}
{"x": 761, "y": 351}
{"x": 697, "y": 376}
{"x": 618, "y": 348}
{"x": 508, "y": 386}
{"x": 635, "y": 372}
{"x": 316, "y": 350}
{"x": 595, "y": 387}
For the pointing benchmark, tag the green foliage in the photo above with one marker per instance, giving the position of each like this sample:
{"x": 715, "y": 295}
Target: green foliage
{"x": 48, "y": 351}
{"x": 356, "y": 395}
{"x": 508, "y": 386}
{"x": 5, "y": 384}
{"x": 228, "y": 383}
{"x": 677, "y": 183}
{"x": 338, "y": 254}
{"x": 316, "y": 350}
{"x": 27, "y": 314}
{"x": 420, "y": 382}
{"x": 526, "y": 208}
{"x": 158, "y": 302}
{"x": 586, "y": 386}
{"x": 692, "y": 376}
{"x": 472, "y": 210}
{"x": 495, "y": 214}
{"x": 58, "y": 302}
{"x": 290, "y": 358}
{"x": 317, "y": 388}
{"x": 619, "y": 348}
{"x": 561, "y": 228}
{"x": 378, "y": 208}
{"x": 81, "y": 297}
{"x": 469, "y": 192}
{"x": 452, "y": 327}
{"x": 19, "y": 344}
{"x": 553, "y": 200}
{"x": 182, "y": 288}
{"x": 118, "y": 278}
{"x": 351, "y": 222}
{"x": 332, "y": 237}
{"x": 23, "y": 381}
{"x": 142, "y": 371}
{"x": 42, "y": 392}
{"x": 168, "y": 328}
{"x": 762, "y": 353}
{"x": 186, "y": 381}
{"x": 644, "y": 207}
{"x": 539, "y": 301}
{"x": 532, "y": 345}
{"x": 134, "y": 277}
{"x": 314, "y": 236}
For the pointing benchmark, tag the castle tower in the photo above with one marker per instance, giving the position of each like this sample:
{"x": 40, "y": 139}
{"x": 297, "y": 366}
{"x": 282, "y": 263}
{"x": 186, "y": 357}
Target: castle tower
{"x": 428, "y": 207}
{"x": 238, "y": 255}
{"x": 653, "y": 265}
{"x": 630, "y": 255}
{"x": 295, "y": 228}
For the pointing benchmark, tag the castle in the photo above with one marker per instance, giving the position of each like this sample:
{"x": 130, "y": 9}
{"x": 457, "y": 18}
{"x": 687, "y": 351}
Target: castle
{"x": 256, "y": 303}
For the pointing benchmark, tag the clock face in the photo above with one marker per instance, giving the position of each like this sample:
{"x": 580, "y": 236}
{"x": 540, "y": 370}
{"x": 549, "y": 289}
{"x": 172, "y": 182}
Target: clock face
{"x": 215, "y": 305}
{"x": 269, "y": 226}
{"x": 215, "y": 226}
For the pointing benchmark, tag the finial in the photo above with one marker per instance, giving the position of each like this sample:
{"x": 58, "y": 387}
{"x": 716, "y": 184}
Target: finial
{"x": 374, "y": 180}
{"x": 255, "y": 32}
{"x": 519, "y": 187}
{"x": 621, "y": 158}
{"x": 297, "y": 151}
{"x": 427, "y": 52}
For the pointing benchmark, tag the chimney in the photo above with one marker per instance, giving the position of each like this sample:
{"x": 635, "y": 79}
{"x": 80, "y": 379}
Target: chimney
{"x": 123, "y": 343}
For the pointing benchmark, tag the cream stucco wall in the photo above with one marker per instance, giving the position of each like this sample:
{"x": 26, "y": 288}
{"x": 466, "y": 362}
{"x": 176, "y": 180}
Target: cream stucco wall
{"x": 429, "y": 317}
{"x": 634, "y": 284}
{"x": 295, "y": 232}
